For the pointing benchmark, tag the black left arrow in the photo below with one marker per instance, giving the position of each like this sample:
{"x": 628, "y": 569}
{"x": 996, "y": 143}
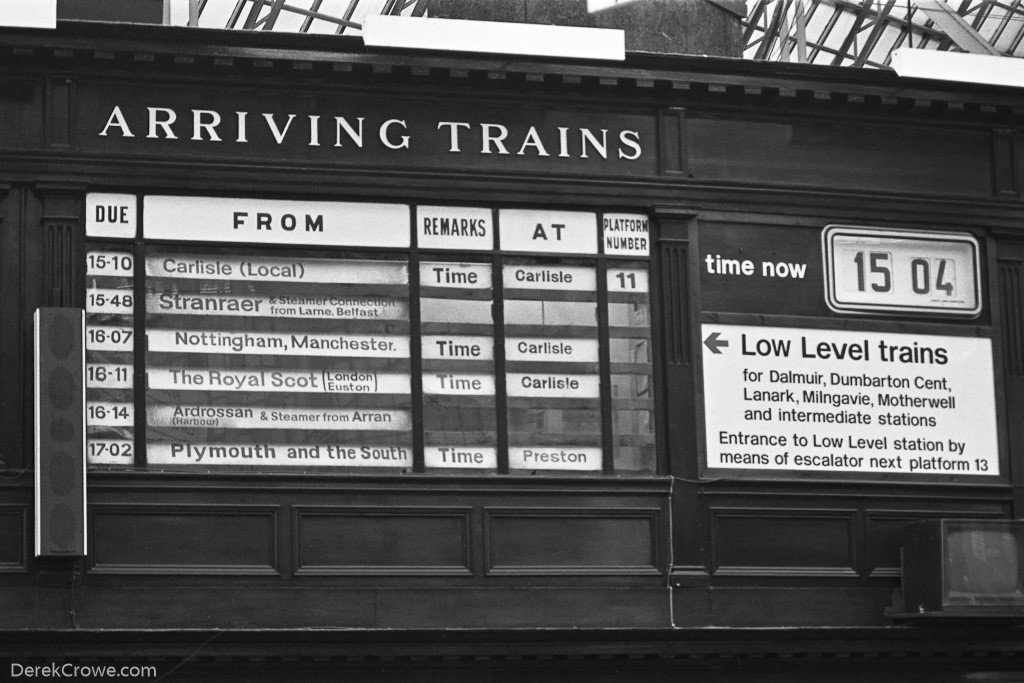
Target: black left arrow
{"x": 714, "y": 343}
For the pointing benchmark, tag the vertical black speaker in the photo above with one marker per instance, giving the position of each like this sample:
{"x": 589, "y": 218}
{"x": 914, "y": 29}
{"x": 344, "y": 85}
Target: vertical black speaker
{"x": 60, "y": 432}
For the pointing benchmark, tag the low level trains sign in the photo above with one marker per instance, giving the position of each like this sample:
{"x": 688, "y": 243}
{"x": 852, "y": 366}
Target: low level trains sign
{"x": 839, "y": 401}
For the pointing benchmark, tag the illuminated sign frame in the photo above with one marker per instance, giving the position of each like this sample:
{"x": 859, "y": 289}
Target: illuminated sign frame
{"x": 944, "y": 245}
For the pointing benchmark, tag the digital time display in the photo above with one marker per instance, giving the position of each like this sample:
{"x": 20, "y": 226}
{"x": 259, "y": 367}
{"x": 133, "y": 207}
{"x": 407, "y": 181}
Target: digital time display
{"x": 880, "y": 270}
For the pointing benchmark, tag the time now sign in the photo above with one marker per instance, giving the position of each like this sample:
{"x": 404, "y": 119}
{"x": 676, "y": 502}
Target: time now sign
{"x": 840, "y": 270}
{"x": 878, "y": 270}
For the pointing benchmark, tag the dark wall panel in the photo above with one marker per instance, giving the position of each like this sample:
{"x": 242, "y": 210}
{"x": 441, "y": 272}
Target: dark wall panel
{"x": 382, "y": 541}
{"x": 21, "y": 110}
{"x": 58, "y": 113}
{"x": 1004, "y": 160}
{"x": 777, "y": 542}
{"x": 775, "y": 607}
{"x": 570, "y": 541}
{"x": 525, "y": 607}
{"x": 200, "y": 539}
{"x": 12, "y": 338}
{"x": 341, "y": 607}
{"x": 842, "y": 154}
{"x": 13, "y": 538}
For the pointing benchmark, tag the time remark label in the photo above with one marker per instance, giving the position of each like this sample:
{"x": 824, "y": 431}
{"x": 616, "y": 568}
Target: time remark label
{"x": 839, "y": 401}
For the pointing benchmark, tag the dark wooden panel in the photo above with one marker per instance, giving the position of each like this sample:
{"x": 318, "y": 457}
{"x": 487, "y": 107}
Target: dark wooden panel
{"x": 291, "y": 607}
{"x": 677, "y": 412}
{"x": 675, "y": 300}
{"x": 793, "y": 542}
{"x": 1011, "y": 294}
{"x": 781, "y": 607}
{"x": 58, "y": 113}
{"x": 13, "y": 340}
{"x": 672, "y": 153}
{"x": 168, "y": 606}
{"x": 842, "y": 154}
{"x": 64, "y": 242}
{"x": 21, "y": 109}
{"x": 359, "y": 540}
{"x": 885, "y": 535}
{"x": 183, "y": 539}
{"x": 13, "y": 539}
{"x": 1004, "y": 163}
{"x": 524, "y": 608}
{"x": 571, "y": 541}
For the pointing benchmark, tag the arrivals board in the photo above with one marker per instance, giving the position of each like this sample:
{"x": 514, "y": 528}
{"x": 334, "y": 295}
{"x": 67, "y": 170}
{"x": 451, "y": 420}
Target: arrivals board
{"x": 270, "y": 333}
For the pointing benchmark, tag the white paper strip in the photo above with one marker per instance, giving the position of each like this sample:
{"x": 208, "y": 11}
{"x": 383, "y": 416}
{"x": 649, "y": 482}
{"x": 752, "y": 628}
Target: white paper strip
{"x": 274, "y": 221}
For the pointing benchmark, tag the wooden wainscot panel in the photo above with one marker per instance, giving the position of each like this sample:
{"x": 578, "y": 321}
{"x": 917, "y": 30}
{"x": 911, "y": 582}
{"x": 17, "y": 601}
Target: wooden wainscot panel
{"x": 672, "y": 124}
{"x": 842, "y": 153}
{"x": 776, "y": 542}
{"x": 364, "y": 541}
{"x": 13, "y": 538}
{"x": 21, "y": 110}
{"x": 571, "y": 541}
{"x": 184, "y": 539}
{"x": 1004, "y": 161}
{"x": 885, "y": 534}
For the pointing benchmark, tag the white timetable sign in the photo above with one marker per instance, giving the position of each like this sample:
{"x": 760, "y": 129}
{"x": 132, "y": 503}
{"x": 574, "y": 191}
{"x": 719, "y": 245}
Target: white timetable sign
{"x": 266, "y": 454}
{"x": 110, "y": 451}
{"x": 266, "y": 417}
{"x": 457, "y": 347}
{"x": 461, "y": 457}
{"x": 112, "y": 301}
{"x": 271, "y": 269}
{"x": 880, "y": 270}
{"x": 110, "y": 414}
{"x": 576, "y": 458}
{"x": 548, "y": 349}
{"x": 275, "y": 221}
{"x": 572, "y": 232}
{"x": 626, "y": 234}
{"x": 279, "y": 343}
{"x": 455, "y": 275}
{"x": 301, "y": 381}
{"x": 111, "y": 215}
{"x": 109, "y": 338}
{"x": 549, "y": 385}
{"x": 627, "y": 280}
{"x": 458, "y": 383}
{"x": 566, "y": 278}
{"x": 112, "y": 263}
{"x": 445, "y": 227}
{"x": 319, "y": 307}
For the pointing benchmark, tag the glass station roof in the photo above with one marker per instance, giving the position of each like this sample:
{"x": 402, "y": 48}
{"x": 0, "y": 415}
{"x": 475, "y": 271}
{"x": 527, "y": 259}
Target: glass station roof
{"x": 301, "y": 16}
{"x": 832, "y": 32}
{"x": 864, "y": 32}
